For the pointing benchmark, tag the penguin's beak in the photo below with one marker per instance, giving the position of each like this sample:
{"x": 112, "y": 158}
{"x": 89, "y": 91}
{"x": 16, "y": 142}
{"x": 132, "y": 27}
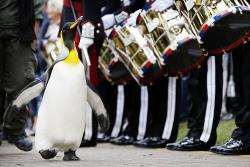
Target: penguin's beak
{"x": 76, "y": 22}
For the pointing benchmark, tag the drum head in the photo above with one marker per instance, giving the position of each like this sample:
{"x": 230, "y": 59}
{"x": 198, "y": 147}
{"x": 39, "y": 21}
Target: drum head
{"x": 227, "y": 33}
{"x": 184, "y": 59}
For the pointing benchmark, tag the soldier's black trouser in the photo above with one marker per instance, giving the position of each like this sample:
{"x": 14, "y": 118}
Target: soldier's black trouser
{"x": 17, "y": 69}
{"x": 242, "y": 81}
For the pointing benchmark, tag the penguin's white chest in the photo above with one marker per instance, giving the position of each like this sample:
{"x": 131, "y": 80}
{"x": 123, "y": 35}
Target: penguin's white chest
{"x": 61, "y": 117}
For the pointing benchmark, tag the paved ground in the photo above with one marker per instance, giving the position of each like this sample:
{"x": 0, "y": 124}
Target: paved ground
{"x": 107, "y": 155}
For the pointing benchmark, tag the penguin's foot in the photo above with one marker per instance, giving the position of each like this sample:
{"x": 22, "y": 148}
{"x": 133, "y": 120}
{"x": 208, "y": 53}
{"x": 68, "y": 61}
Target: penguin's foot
{"x": 48, "y": 154}
{"x": 70, "y": 156}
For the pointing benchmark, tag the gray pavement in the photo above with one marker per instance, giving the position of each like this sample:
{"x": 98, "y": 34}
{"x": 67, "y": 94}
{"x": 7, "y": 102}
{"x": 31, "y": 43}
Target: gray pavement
{"x": 107, "y": 155}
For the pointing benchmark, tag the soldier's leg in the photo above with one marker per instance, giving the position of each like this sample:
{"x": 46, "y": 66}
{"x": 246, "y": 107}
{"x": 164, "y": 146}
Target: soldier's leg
{"x": 240, "y": 140}
{"x": 205, "y": 87}
{"x": 2, "y": 93}
{"x": 19, "y": 70}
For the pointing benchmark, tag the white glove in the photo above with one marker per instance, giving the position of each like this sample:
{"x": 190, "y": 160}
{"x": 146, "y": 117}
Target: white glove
{"x": 87, "y": 37}
{"x": 161, "y": 5}
{"x": 108, "y": 21}
{"x": 85, "y": 42}
{"x": 121, "y": 16}
{"x": 126, "y": 2}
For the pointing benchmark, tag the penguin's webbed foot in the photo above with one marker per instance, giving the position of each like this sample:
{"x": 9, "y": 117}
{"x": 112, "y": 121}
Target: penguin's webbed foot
{"x": 70, "y": 156}
{"x": 48, "y": 154}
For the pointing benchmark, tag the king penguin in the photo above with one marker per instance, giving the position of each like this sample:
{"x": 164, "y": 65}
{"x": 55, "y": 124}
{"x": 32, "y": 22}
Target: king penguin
{"x": 66, "y": 94}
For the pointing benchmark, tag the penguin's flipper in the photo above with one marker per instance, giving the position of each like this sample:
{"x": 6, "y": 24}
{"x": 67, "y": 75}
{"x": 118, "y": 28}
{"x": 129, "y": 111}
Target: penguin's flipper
{"x": 31, "y": 91}
{"x": 97, "y": 105}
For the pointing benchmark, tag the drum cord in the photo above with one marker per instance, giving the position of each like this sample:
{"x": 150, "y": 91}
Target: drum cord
{"x": 165, "y": 32}
{"x": 127, "y": 64}
{"x": 185, "y": 15}
{"x": 247, "y": 4}
{"x": 196, "y": 13}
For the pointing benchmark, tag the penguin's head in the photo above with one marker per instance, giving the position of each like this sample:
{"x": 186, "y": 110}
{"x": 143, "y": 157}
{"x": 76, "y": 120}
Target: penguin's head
{"x": 68, "y": 33}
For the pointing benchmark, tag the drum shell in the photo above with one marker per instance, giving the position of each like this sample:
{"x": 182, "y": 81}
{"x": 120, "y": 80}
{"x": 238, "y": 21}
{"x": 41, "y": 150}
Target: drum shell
{"x": 112, "y": 68}
{"x": 182, "y": 52}
{"x": 222, "y": 26}
{"x": 136, "y": 54}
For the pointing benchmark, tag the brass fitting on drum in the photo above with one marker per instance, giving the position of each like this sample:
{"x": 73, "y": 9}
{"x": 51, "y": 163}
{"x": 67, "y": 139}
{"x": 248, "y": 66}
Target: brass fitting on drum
{"x": 176, "y": 30}
{"x": 213, "y": 4}
{"x": 204, "y": 52}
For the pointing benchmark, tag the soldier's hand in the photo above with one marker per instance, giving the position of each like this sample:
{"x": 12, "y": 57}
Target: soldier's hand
{"x": 87, "y": 36}
{"x": 108, "y": 21}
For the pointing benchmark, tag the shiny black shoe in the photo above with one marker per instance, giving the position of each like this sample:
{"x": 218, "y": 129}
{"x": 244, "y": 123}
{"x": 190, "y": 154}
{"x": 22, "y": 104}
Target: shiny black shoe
{"x": 151, "y": 142}
{"x": 177, "y": 145}
{"x": 189, "y": 144}
{"x": 23, "y": 142}
{"x": 103, "y": 139}
{"x": 232, "y": 147}
{"x": 123, "y": 140}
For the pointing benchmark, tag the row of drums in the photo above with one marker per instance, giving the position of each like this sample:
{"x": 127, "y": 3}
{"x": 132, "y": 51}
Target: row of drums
{"x": 174, "y": 40}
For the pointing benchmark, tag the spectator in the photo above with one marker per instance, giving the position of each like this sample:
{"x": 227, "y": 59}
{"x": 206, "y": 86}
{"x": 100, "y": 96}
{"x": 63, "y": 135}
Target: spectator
{"x": 18, "y": 63}
{"x": 47, "y": 43}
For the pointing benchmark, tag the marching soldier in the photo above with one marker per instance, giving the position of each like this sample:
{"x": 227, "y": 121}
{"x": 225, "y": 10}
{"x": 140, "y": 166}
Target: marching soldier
{"x": 17, "y": 64}
{"x": 205, "y": 87}
{"x": 127, "y": 103}
{"x": 162, "y": 116}
{"x": 240, "y": 139}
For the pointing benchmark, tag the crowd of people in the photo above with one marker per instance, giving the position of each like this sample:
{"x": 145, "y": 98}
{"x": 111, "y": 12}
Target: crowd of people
{"x": 141, "y": 115}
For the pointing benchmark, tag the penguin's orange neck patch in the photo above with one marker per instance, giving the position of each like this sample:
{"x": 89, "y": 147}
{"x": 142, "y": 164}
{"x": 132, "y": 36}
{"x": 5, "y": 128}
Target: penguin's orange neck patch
{"x": 72, "y": 58}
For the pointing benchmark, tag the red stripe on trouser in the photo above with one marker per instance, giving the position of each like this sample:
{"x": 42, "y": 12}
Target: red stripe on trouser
{"x": 93, "y": 71}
